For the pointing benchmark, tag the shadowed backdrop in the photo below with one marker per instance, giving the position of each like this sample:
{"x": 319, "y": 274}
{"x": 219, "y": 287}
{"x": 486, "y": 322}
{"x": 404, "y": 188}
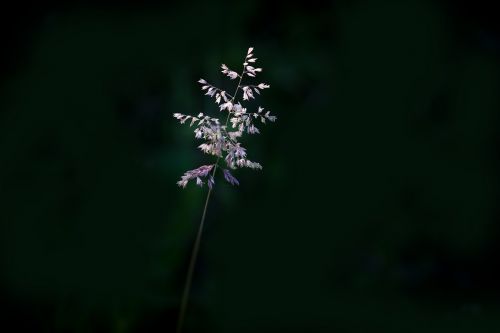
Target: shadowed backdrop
{"x": 376, "y": 209}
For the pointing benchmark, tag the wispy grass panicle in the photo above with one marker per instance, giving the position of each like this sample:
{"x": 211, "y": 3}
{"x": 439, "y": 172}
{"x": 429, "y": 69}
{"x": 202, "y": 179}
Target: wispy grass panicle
{"x": 221, "y": 140}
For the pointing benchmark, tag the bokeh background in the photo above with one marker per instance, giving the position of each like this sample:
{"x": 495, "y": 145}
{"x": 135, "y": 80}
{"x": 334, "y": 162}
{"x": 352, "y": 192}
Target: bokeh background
{"x": 376, "y": 211}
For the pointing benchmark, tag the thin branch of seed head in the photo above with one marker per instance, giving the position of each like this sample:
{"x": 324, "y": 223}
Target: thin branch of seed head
{"x": 229, "y": 113}
{"x": 253, "y": 85}
{"x": 218, "y": 89}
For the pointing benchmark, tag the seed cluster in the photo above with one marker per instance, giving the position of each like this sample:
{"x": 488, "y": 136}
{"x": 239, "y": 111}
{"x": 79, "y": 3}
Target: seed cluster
{"x": 221, "y": 140}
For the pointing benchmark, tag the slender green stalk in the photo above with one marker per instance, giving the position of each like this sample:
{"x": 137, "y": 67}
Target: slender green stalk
{"x": 192, "y": 262}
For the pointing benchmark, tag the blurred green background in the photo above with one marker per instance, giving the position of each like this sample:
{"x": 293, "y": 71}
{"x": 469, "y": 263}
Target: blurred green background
{"x": 376, "y": 211}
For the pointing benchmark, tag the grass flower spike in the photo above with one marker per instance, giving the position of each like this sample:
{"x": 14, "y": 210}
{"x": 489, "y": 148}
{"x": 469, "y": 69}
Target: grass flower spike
{"x": 221, "y": 140}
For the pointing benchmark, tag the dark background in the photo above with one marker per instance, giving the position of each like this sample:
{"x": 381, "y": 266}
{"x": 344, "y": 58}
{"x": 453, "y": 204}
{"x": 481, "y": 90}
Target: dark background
{"x": 376, "y": 211}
